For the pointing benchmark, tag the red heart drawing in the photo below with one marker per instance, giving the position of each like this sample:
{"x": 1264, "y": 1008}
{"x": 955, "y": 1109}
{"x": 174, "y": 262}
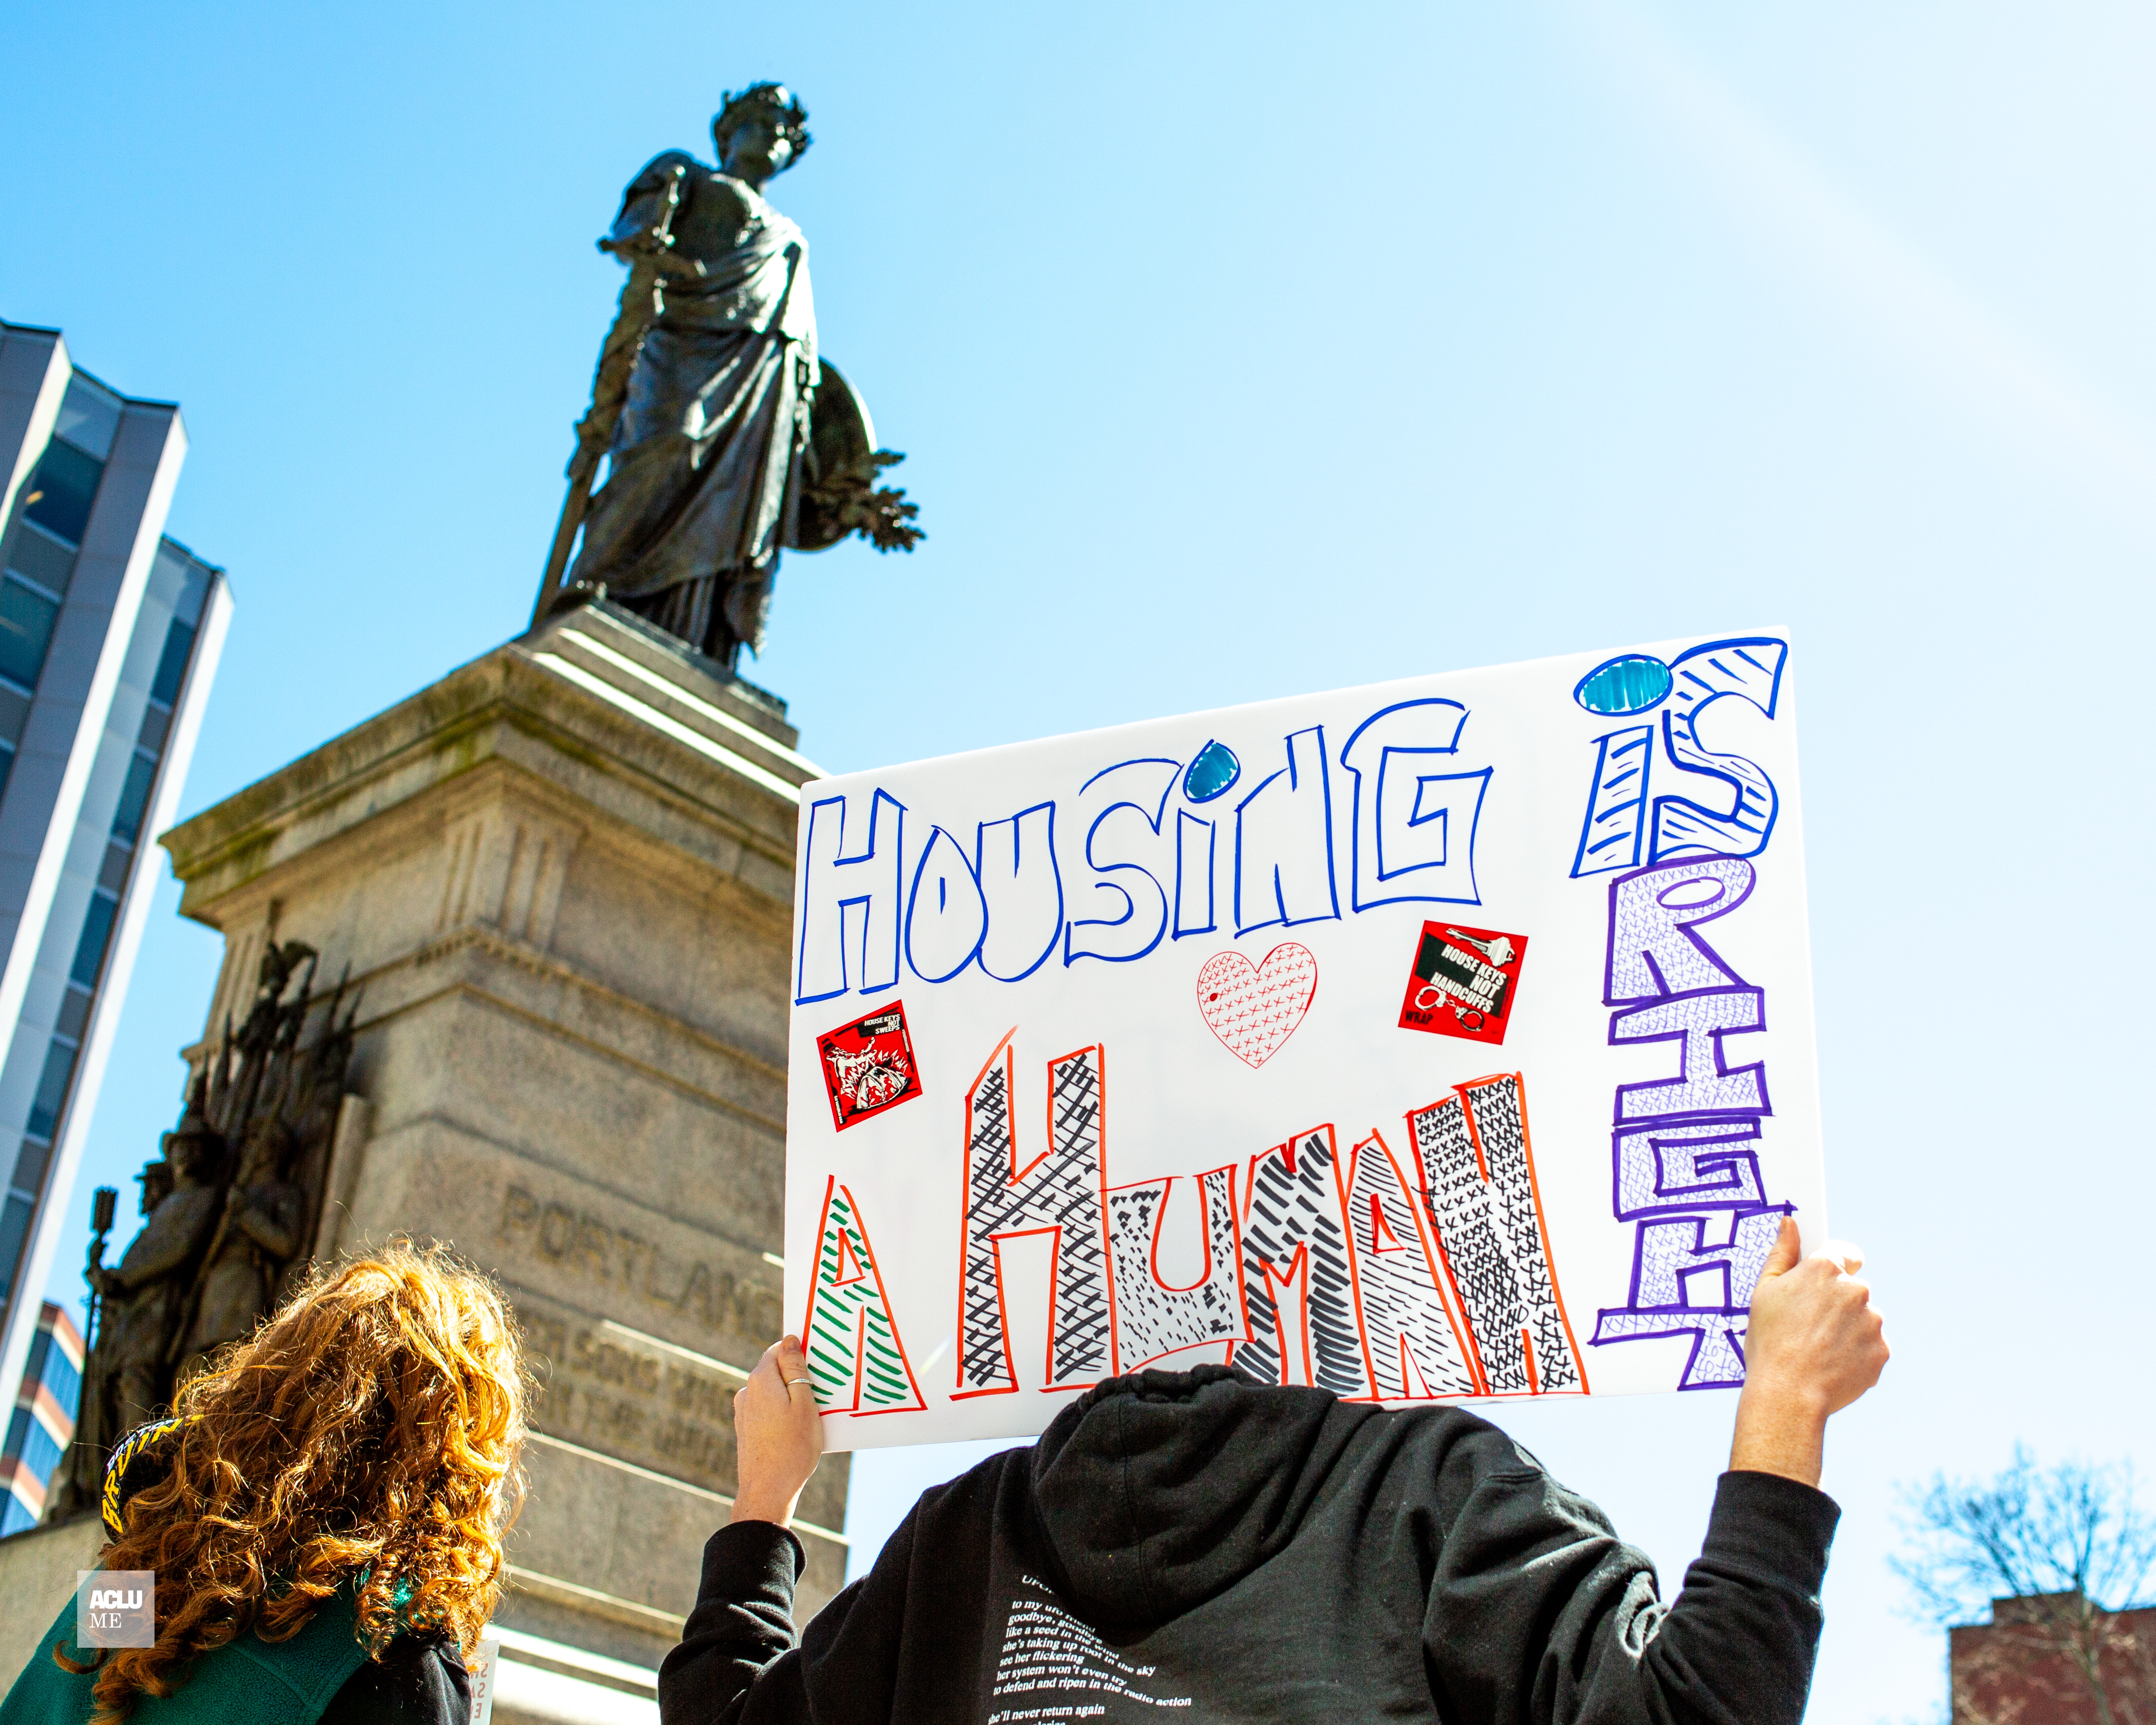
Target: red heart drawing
{"x": 1254, "y": 1009}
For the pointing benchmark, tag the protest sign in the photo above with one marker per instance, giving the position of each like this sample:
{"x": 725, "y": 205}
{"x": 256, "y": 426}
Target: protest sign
{"x": 1449, "y": 1039}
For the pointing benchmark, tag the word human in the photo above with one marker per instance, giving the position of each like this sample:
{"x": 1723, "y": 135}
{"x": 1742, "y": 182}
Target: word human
{"x": 1100, "y": 872}
{"x": 1376, "y": 1272}
{"x": 1687, "y": 1149}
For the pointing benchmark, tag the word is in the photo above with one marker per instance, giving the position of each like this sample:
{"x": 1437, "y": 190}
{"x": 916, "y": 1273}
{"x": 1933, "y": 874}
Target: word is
{"x": 1628, "y": 823}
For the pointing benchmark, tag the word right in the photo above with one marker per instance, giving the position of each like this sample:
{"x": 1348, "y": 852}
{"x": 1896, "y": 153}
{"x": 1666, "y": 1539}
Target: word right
{"x": 1686, "y": 1148}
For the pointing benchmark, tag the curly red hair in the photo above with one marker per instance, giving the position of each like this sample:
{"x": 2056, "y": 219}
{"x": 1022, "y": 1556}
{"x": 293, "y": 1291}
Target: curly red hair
{"x": 369, "y": 1430}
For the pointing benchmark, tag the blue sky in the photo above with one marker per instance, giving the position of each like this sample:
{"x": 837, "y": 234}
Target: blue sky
{"x": 1241, "y": 350}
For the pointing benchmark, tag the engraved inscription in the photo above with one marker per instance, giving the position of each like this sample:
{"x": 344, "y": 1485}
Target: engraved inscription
{"x": 630, "y": 1401}
{"x": 592, "y": 1249}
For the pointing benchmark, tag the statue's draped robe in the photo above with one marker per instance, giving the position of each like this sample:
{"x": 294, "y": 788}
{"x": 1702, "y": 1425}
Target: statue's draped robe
{"x": 705, "y": 470}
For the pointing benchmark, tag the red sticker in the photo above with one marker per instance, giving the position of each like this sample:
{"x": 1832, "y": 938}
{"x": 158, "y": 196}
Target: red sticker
{"x": 868, "y": 1065}
{"x": 1464, "y": 981}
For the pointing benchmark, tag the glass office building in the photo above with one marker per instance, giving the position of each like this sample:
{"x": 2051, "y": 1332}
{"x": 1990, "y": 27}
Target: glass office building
{"x": 109, "y": 634}
{"x": 43, "y": 1420}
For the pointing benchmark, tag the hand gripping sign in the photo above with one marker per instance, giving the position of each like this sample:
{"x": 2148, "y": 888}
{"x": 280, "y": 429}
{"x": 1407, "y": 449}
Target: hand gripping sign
{"x": 1215, "y": 1038}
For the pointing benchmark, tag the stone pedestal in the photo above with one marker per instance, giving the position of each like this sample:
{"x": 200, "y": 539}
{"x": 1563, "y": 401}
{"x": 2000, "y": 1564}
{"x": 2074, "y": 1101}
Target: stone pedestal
{"x": 38, "y": 1568}
{"x": 561, "y": 880}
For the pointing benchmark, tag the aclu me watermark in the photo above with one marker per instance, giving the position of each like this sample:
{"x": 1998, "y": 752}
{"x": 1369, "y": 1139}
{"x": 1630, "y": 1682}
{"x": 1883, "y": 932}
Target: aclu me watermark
{"x": 116, "y": 1608}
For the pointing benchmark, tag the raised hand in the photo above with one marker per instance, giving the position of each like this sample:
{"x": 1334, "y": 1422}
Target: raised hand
{"x": 779, "y": 1435}
{"x": 1813, "y": 1346}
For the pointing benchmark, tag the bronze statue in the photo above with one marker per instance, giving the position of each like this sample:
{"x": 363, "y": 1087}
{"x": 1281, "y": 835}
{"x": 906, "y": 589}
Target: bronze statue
{"x": 143, "y": 1294}
{"x": 221, "y": 1243}
{"x": 273, "y": 976}
{"x": 258, "y": 1236}
{"x": 727, "y": 435}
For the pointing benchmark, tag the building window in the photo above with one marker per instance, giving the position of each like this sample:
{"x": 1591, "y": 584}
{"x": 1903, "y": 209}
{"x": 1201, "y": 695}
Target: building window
{"x": 74, "y": 1011}
{"x": 134, "y": 798}
{"x": 96, "y": 930}
{"x": 31, "y": 1157}
{"x": 64, "y": 486}
{"x": 14, "y": 1225}
{"x": 62, "y": 1381}
{"x": 89, "y": 416}
{"x": 112, "y": 873}
{"x": 172, "y": 667}
{"x": 26, "y": 630}
{"x": 32, "y": 1445}
{"x": 14, "y": 715}
{"x": 51, "y": 1090}
{"x": 156, "y": 722}
{"x": 42, "y": 561}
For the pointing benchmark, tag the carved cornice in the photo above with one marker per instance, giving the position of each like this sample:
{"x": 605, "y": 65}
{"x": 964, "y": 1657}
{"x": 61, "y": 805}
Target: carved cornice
{"x": 571, "y": 710}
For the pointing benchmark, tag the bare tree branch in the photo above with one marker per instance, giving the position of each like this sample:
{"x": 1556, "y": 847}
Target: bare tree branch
{"x": 2071, "y": 1550}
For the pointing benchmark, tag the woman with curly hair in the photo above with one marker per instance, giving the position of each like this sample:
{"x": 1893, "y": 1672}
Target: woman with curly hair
{"x": 323, "y": 1515}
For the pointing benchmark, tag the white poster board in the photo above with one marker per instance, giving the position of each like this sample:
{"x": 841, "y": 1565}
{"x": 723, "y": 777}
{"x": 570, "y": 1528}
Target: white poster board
{"x": 1448, "y": 1038}
{"x": 484, "y": 1669}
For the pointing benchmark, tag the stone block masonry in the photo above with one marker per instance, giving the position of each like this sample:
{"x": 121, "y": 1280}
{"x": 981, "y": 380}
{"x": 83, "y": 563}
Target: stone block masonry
{"x": 561, "y": 878}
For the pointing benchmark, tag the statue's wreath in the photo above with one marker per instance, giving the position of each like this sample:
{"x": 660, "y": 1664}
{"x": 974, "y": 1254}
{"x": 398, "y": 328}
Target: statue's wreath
{"x": 849, "y": 499}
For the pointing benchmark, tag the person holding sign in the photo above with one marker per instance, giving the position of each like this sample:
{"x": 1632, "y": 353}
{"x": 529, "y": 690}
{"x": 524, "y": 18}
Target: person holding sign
{"x": 1190, "y": 1541}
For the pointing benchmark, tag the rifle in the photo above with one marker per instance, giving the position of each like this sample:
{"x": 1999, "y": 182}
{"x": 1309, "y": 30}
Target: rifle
{"x": 89, "y": 1417}
{"x": 651, "y": 259}
{"x": 103, "y": 1203}
{"x": 270, "y": 1063}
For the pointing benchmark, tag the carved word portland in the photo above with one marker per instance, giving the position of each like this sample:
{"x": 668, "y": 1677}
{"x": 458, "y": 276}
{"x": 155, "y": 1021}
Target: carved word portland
{"x": 1378, "y": 1273}
{"x": 591, "y": 1248}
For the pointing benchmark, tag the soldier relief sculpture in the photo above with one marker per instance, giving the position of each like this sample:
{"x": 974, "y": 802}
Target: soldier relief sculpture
{"x": 232, "y": 1208}
{"x": 727, "y": 435}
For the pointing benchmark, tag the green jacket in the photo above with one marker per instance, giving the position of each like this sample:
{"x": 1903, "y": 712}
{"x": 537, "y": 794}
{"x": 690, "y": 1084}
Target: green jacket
{"x": 247, "y": 1682}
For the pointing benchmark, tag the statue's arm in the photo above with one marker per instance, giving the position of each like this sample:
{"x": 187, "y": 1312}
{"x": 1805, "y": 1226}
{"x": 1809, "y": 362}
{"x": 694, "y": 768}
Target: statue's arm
{"x": 155, "y": 1252}
{"x": 271, "y": 1219}
{"x": 639, "y": 202}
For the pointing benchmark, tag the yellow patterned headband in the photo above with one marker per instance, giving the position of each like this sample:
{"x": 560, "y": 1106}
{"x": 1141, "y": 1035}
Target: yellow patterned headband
{"x": 124, "y": 1454}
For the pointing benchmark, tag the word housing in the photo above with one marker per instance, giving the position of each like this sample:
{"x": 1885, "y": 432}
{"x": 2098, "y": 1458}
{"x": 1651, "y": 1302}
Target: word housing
{"x": 1106, "y": 874}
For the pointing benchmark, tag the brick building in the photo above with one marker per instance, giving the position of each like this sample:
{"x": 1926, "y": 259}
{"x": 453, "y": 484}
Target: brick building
{"x": 2038, "y": 1659}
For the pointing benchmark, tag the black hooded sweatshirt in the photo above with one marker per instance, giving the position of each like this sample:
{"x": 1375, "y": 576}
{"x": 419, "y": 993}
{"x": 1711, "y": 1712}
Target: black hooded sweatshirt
{"x": 1187, "y": 1546}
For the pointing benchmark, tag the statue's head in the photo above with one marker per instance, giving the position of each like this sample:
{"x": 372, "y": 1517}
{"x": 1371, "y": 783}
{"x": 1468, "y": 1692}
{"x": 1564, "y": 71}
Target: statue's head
{"x": 760, "y": 132}
{"x": 267, "y": 1147}
{"x": 157, "y": 1179}
{"x": 194, "y": 1149}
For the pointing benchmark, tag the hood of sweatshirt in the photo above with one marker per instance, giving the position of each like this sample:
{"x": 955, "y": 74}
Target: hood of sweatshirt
{"x": 1156, "y": 1491}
